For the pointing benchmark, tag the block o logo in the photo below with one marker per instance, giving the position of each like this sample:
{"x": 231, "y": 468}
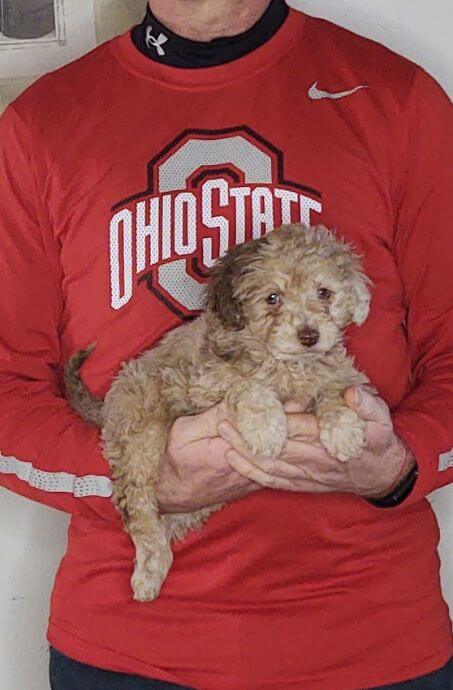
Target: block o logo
{"x": 207, "y": 191}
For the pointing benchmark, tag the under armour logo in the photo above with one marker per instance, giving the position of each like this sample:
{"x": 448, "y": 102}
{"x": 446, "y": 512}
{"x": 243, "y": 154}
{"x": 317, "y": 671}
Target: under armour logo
{"x": 153, "y": 42}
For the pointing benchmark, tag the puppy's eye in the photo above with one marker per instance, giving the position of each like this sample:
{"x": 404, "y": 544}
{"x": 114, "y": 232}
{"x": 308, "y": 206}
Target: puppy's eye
{"x": 273, "y": 299}
{"x": 324, "y": 293}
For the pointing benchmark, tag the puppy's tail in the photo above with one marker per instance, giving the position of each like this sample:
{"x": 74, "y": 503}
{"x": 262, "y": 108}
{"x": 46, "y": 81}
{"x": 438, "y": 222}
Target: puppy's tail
{"x": 87, "y": 405}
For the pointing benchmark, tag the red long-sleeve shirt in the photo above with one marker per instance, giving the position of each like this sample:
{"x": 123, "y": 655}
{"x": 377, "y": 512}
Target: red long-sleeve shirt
{"x": 122, "y": 179}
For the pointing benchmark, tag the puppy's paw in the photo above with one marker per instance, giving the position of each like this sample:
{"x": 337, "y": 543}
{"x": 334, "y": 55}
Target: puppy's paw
{"x": 264, "y": 431}
{"x": 258, "y": 415}
{"x": 144, "y": 586}
{"x": 342, "y": 433}
{"x": 150, "y": 572}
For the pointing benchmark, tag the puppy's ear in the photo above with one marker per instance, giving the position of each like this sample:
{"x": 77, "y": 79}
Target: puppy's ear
{"x": 222, "y": 296}
{"x": 362, "y": 296}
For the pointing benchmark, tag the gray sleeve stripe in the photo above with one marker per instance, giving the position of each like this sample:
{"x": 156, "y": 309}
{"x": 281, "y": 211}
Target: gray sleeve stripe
{"x": 57, "y": 482}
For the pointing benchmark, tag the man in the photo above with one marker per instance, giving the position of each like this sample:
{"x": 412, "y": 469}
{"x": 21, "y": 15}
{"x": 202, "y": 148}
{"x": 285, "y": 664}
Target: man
{"x": 124, "y": 176}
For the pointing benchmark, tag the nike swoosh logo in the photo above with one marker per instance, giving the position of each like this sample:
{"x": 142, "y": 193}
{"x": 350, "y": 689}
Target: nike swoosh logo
{"x": 316, "y": 94}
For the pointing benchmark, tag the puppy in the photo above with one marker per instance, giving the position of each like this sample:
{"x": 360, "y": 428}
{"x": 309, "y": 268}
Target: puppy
{"x": 272, "y": 330}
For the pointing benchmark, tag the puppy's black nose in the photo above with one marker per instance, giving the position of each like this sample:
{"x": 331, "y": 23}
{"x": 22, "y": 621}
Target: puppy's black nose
{"x": 308, "y": 336}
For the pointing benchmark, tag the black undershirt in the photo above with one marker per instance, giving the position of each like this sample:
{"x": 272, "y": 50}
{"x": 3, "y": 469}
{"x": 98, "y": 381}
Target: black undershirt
{"x": 158, "y": 43}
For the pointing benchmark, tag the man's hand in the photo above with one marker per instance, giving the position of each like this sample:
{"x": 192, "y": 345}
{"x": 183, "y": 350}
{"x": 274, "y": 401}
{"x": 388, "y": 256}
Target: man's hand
{"x": 195, "y": 473}
{"x": 304, "y": 465}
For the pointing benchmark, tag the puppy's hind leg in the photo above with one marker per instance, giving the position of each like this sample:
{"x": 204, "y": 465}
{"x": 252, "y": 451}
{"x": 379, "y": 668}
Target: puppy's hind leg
{"x": 139, "y": 470}
{"x": 153, "y": 554}
{"x": 134, "y": 436}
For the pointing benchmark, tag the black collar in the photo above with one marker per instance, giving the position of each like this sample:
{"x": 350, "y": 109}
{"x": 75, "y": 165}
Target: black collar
{"x": 158, "y": 43}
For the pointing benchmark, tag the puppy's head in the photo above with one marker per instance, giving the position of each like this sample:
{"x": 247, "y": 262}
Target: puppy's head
{"x": 294, "y": 291}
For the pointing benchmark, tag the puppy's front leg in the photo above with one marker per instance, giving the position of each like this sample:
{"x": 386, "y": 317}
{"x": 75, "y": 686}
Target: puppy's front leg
{"x": 341, "y": 431}
{"x": 259, "y": 417}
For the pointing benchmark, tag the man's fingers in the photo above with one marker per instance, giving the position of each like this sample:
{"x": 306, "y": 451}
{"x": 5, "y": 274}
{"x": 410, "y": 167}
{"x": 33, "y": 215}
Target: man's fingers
{"x": 255, "y": 474}
{"x": 369, "y": 407}
{"x": 302, "y": 425}
{"x": 277, "y": 468}
{"x": 233, "y": 437}
{"x": 306, "y": 453}
{"x": 243, "y": 466}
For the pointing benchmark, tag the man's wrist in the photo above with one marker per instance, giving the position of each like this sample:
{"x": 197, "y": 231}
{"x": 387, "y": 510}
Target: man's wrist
{"x": 402, "y": 485}
{"x": 407, "y": 464}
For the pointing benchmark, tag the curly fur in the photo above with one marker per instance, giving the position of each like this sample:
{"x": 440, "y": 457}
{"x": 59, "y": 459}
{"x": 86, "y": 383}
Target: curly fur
{"x": 246, "y": 351}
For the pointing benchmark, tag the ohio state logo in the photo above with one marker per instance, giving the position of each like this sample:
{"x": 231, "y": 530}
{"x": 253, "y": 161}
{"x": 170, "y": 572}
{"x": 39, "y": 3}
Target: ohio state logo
{"x": 207, "y": 191}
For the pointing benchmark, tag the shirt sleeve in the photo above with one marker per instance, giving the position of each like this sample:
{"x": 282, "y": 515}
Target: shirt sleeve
{"x": 47, "y": 452}
{"x": 424, "y": 253}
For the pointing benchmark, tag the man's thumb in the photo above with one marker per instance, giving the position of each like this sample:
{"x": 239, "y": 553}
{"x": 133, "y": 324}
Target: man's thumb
{"x": 368, "y": 406}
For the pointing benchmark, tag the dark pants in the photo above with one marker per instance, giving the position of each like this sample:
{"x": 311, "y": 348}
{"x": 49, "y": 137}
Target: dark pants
{"x": 66, "y": 674}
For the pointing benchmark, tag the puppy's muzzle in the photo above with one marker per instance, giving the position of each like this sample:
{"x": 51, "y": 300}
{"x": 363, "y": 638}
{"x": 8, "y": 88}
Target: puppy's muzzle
{"x": 308, "y": 336}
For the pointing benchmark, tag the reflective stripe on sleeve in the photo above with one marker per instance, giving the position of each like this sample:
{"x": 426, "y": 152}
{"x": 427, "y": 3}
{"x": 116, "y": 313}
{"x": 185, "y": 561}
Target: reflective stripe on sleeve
{"x": 57, "y": 482}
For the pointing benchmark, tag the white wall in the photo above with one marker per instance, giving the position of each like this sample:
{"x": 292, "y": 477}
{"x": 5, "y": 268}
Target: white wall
{"x": 32, "y": 538}
{"x": 417, "y": 29}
